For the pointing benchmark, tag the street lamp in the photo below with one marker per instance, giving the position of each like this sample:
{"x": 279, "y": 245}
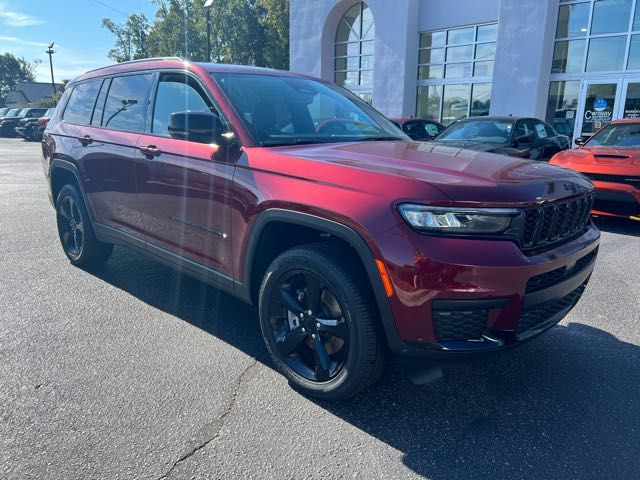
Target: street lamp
{"x": 207, "y": 6}
{"x": 51, "y": 51}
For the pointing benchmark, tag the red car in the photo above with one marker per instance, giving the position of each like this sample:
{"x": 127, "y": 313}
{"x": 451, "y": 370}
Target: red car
{"x": 293, "y": 194}
{"x": 611, "y": 160}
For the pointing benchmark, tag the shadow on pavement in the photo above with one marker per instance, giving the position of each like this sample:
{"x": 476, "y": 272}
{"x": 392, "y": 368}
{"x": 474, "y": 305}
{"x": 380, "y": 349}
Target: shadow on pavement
{"x": 621, "y": 226}
{"x": 566, "y": 405}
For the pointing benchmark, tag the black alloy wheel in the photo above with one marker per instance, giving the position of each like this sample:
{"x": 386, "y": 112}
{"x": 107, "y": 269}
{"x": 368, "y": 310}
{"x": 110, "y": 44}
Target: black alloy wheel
{"x": 319, "y": 322}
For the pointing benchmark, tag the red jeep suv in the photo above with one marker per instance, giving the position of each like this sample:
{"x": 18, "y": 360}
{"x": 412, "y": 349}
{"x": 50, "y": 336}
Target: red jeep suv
{"x": 293, "y": 194}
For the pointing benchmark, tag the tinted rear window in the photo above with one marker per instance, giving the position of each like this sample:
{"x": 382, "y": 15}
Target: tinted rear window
{"x": 80, "y": 105}
{"x": 126, "y": 105}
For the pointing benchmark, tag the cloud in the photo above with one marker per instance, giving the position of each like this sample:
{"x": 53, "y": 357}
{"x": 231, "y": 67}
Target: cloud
{"x": 23, "y": 42}
{"x": 17, "y": 19}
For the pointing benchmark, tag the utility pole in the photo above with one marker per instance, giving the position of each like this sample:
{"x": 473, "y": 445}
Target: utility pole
{"x": 50, "y": 51}
{"x": 208, "y": 5}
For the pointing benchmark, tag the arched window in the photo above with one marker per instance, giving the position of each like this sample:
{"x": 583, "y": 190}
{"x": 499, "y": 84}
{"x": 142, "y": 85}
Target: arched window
{"x": 354, "y": 51}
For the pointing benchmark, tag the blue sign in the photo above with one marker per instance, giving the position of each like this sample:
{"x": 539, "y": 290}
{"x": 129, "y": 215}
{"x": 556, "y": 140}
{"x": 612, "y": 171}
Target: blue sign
{"x": 600, "y": 104}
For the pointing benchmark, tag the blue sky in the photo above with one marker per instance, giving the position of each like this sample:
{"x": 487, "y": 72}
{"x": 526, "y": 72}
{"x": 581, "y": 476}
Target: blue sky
{"x": 81, "y": 43}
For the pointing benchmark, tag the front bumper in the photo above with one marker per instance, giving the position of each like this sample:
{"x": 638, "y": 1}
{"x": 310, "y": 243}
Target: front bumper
{"x": 471, "y": 296}
{"x": 616, "y": 199}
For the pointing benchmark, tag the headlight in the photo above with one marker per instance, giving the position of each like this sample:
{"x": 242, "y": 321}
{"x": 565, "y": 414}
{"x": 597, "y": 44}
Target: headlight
{"x": 456, "y": 220}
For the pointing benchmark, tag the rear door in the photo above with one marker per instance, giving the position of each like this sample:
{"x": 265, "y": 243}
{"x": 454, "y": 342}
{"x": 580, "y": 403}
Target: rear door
{"x": 185, "y": 191}
{"x": 112, "y": 114}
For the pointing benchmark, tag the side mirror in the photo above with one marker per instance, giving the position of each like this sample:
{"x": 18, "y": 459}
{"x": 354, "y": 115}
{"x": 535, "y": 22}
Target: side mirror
{"x": 201, "y": 127}
{"x": 580, "y": 141}
{"x": 524, "y": 139}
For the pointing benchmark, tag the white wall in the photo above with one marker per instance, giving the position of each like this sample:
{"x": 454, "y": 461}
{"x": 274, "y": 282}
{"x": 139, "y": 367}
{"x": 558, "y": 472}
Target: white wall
{"x": 439, "y": 14}
{"x": 523, "y": 57}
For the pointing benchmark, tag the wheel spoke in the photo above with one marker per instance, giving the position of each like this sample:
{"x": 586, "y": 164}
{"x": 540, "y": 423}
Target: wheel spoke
{"x": 288, "y": 341}
{"x": 80, "y": 227}
{"x": 77, "y": 242}
{"x": 64, "y": 211}
{"x": 72, "y": 209}
{"x": 314, "y": 292}
{"x": 323, "y": 362}
{"x": 291, "y": 301}
{"x": 66, "y": 238}
{"x": 335, "y": 328}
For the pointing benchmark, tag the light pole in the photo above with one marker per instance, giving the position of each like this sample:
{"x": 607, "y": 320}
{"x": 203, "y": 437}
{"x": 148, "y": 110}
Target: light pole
{"x": 207, "y": 5}
{"x": 50, "y": 51}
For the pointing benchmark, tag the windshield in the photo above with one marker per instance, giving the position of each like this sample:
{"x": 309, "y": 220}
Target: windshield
{"x": 622, "y": 135}
{"x": 493, "y": 131}
{"x": 49, "y": 112}
{"x": 13, "y": 112}
{"x": 3, "y": 111}
{"x": 23, "y": 112}
{"x": 280, "y": 110}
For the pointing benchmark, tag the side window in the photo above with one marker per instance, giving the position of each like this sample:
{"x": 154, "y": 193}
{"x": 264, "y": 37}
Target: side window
{"x": 176, "y": 93}
{"x": 80, "y": 105}
{"x": 102, "y": 96}
{"x": 524, "y": 127}
{"x": 126, "y": 105}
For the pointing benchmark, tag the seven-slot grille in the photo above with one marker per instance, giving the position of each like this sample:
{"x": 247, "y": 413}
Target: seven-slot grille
{"x": 550, "y": 224}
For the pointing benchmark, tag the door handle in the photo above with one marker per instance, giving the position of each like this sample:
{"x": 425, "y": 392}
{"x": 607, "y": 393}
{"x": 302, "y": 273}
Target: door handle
{"x": 86, "y": 140}
{"x": 150, "y": 151}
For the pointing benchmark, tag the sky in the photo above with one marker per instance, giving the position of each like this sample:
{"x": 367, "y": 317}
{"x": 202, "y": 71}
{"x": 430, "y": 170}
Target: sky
{"x": 27, "y": 27}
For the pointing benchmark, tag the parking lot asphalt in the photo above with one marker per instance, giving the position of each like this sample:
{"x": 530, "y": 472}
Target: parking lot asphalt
{"x": 137, "y": 372}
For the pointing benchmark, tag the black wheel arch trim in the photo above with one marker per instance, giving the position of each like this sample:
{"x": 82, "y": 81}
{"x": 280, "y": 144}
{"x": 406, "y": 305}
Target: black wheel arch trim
{"x": 341, "y": 231}
{"x": 71, "y": 167}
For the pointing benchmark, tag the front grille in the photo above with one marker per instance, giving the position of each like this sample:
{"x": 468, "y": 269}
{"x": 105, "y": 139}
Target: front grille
{"x": 552, "y": 224}
{"x": 540, "y": 314}
{"x": 633, "y": 180}
{"x": 459, "y": 325}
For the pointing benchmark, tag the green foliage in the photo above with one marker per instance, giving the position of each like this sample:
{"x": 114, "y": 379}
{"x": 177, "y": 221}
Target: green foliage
{"x": 12, "y": 71}
{"x": 248, "y": 32}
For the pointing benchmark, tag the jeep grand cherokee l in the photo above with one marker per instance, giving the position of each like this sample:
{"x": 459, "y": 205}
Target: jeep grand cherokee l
{"x": 293, "y": 194}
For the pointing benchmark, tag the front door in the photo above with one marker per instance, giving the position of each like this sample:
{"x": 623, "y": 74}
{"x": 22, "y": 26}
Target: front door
{"x": 599, "y": 101}
{"x": 185, "y": 192}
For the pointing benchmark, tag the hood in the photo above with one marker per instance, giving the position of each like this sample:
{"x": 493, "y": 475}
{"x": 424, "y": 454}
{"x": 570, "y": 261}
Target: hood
{"x": 583, "y": 158}
{"x": 471, "y": 145}
{"x": 465, "y": 176}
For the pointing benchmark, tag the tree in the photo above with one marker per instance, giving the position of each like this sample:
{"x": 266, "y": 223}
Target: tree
{"x": 12, "y": 71}
{"x": 130, "y": 38}
{"x": 52, "y": 102}
{"x": 250, "y": 32}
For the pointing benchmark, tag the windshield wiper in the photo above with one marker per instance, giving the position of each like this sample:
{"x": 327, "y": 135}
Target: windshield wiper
{"x": 293, "y": 141}
{"x": 378, "y": 139}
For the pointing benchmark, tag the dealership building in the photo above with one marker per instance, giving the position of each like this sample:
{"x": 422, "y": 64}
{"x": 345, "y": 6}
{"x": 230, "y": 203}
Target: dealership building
{"x": 575, "y": 63}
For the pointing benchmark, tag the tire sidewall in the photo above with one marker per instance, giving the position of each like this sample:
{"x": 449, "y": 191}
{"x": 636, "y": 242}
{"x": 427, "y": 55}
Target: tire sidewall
{"x": 280, "y": 267}
{"x": 71, "y": 191}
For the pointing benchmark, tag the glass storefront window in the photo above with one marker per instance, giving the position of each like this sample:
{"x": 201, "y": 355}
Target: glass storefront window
{"x": 568, "y": 56}
{"x": 480, "y": 99}
{"x": 429, "y": 102}
{"x": 573, "y": 20}
{"x": 606, "y": 54}
{"x": 354, "y": 44}
{"x": 562, "y": 106}
{"x": 634, "y": 53}
{"x": 632, "y": 101}
{"x": 467, "y": 68}
{"x": 611, "y": 16}
{"x": 455, "y": 102}
{"x": 636, "y": 18}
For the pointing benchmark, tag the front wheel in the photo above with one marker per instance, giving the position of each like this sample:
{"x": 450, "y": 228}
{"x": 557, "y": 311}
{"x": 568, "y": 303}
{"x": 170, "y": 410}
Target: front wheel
{"x": 76, "y": 232}
{"x": 318, "y": 322}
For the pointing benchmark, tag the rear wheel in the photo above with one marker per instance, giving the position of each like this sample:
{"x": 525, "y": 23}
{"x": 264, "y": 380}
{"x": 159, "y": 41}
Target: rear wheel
{"x": 318, "y": 323}
{"x": 75, "y": 231}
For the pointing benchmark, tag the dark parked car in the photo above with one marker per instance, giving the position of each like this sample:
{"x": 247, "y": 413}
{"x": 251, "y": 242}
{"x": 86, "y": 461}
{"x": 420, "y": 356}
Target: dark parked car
{"x": 12, "y": 112}
{"x": 8, "y": 124}
{"x": 31, "y": 129}
{"x": 3, "y": 111}
{"x": 353, "y": 242}
{"x": 419, "y": 129}
{"x": 517, "y": 137}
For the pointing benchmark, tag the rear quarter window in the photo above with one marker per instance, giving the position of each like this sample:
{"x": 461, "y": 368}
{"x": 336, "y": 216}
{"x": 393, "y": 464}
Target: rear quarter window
{"x": 80, "y": 105}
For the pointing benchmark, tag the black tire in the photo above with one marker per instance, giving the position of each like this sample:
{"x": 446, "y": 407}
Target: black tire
{"x": 337, "y": 351}
{"x": 77, "y": 237}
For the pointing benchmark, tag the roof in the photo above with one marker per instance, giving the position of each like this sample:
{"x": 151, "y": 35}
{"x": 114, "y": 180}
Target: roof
{"x": 177, "y": 63}
{"x": 28, "y": 93}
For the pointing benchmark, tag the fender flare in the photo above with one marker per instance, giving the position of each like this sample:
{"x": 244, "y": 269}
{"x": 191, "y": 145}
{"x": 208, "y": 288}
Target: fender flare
{"x": 338, "y": 230}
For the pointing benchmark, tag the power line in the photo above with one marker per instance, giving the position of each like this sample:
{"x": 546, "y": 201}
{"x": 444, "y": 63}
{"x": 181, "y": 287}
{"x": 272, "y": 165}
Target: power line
{"x": 112, "y": 8}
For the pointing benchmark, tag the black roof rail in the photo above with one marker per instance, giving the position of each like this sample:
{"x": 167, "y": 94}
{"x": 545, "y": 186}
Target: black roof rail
{"x": 140, "y": 60}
